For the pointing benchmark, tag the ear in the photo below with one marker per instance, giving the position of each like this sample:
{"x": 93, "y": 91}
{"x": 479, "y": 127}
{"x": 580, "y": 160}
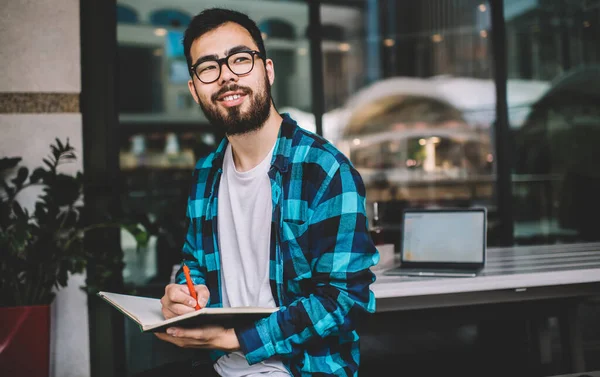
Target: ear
{"x": 270, "y": 70}
{"x": 192, "y": 89}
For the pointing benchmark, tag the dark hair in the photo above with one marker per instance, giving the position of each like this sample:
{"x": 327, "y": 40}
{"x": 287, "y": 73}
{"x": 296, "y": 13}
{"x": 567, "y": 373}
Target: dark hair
{"x": 210, "y": 19}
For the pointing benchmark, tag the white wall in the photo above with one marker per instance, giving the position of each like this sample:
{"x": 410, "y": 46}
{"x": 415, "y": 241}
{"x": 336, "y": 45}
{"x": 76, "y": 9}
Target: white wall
{"x": 40, "y": 53}
{"x": 40, "y": 46}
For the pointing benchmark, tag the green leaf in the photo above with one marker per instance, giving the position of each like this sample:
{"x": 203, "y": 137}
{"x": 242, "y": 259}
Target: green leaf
{"x": 62, "y": 153}
{"x": 142, "y": 238}
{"x": 62, "y": 278}
{"x": 18, "y": 210}
{"x": 40, "y": 209}
{"x": 42, "y": 248}
{"x": 56, "y": 154}
{"x": 37, "y": 175}
{"x": 65, "y": 190}
{"x": 68, "y": 219}
{"x": 9, "y": 190}
{"x": 49, "y": 164}
{"x": 79, "y": 265}
{"x": 21, "y": 237}
{"x": 21, "y": 177}
{"x": 70, "y": 156}
{"x": 140, "y": 235}
{"x": 7, "y": 163}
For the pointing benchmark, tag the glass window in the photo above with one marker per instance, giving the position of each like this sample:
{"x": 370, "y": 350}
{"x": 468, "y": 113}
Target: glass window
{"x": 554, "y": 97}
{"x": 410, "y": 98}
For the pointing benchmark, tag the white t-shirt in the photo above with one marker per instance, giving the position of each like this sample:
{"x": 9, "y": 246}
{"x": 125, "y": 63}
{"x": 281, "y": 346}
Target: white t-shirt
{"x": 244, "y": 225}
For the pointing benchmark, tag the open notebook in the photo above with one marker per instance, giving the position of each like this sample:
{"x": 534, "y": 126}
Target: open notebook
{"x": 146, "y": 312}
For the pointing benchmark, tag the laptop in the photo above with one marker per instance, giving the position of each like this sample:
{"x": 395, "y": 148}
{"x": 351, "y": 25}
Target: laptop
{"x": 442, "y": 242}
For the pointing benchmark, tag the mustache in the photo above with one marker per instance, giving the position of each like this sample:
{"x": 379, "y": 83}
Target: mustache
{"x": 231, "y": 88}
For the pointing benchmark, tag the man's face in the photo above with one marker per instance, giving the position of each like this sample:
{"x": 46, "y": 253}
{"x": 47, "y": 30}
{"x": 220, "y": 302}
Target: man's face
{"x": 237, "y": 103}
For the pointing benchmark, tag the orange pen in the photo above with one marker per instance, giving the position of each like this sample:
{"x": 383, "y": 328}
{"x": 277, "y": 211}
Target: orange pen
{"x": 190, "y": 285}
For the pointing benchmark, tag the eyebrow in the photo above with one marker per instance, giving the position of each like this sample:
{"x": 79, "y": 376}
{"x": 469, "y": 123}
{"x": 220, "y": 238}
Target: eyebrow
{"x": 232, "y": 50}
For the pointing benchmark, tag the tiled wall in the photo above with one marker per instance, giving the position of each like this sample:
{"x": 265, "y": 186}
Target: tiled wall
{"x": 40, "y": 83}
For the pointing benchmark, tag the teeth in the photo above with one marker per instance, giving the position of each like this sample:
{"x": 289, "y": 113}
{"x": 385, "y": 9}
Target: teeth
{"x": 233, "y": 97}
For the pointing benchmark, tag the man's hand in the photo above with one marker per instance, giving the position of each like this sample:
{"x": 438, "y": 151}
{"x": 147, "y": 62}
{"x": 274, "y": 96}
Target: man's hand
{"x": 177, "y": 299}
{"x": 209, "y": 337}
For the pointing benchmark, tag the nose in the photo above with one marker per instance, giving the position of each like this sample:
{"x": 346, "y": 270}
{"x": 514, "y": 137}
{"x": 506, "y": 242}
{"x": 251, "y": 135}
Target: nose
{"x": 227, "y": 75}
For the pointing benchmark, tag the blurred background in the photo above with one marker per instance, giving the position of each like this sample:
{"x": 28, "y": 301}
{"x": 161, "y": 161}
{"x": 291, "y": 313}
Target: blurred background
{"x": 409, "y": 91}
{"x": 437, "y": 103}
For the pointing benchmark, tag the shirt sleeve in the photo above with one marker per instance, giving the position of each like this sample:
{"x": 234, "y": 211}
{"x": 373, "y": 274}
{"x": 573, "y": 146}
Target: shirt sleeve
{"x": 190, "y": 253}
{"x": 339, "y": 294}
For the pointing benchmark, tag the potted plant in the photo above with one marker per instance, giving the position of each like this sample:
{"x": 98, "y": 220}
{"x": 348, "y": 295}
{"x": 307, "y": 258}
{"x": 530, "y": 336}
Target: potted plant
{"x": 39, "y": 248}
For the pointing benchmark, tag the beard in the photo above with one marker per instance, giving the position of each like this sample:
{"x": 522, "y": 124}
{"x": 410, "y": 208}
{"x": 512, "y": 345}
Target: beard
{"x": 236, "y": 122}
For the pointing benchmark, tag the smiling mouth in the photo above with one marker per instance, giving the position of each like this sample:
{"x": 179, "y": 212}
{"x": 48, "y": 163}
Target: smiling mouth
{"x": 232, "y": 100}
{"x": 231, "y": 97}
{"x": 231, "y": 93}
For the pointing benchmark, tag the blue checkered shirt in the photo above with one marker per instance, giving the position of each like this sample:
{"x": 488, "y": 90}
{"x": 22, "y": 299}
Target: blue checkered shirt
{"x": 320, "y": 255}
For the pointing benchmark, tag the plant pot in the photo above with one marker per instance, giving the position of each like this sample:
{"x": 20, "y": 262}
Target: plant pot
{"x": 25, "y": 341}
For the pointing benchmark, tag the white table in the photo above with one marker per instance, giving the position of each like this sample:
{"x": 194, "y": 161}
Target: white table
{"x": 531, "y": 276}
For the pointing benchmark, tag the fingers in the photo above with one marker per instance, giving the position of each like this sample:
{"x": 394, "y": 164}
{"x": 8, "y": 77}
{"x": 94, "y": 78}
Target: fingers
{"x": 203, "y": 335}
{"x": 176, "y": 341}
{"x": 162, "y": 336}
{"x": 203, "y": 294}
{"x": 174, "y": 310}
{"x": 167, "y": 313}
{"x": 177, "y": 301}
{"x": 179, "y": 294}
{"x": 195, "y": 333}
{"x": 210, "y": 337}
{"x": 185, "y": 339}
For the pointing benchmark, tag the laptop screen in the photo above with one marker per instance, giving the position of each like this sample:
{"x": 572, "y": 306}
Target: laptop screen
{"x": 444, "y": 236}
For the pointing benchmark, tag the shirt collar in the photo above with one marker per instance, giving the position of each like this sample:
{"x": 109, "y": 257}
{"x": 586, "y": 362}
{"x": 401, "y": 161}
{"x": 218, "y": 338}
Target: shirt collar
{"x": 281, "y": 153}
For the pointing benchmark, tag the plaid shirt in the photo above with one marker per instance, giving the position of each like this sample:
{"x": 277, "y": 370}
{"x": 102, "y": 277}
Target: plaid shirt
{"x": 320, "y": 255}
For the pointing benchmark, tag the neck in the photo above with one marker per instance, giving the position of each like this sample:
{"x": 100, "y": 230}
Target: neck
{"x": 251, "y": 148}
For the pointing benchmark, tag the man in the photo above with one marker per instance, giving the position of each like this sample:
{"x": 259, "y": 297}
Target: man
{"x": 276, "y": 218}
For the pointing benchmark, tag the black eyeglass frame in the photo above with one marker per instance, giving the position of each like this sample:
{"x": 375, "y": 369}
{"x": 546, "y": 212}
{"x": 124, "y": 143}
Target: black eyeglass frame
{"x": 225, "y": 60}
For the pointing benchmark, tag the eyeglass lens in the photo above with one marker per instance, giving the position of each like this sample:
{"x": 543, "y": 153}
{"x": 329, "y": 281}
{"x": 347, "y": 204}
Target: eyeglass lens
{"x": 239, "y": 63}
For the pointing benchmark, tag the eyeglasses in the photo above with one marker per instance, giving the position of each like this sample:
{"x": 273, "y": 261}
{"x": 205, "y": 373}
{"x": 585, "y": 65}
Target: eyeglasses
{"x": 240, "y": 63}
